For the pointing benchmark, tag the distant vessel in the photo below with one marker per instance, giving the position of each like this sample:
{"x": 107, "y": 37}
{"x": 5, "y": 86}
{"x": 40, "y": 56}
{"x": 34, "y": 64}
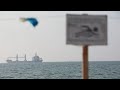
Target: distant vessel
{"x": 36, "y": 58}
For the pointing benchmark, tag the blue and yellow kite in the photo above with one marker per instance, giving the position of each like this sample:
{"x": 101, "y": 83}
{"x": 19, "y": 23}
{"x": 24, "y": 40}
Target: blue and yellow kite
{"x": 33, "y": 21}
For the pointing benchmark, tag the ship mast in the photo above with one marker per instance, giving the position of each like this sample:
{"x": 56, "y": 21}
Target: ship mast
{"x": 36, "y": 54}
{"x": 17, "y": 57}
{"x": 25, "y": 58}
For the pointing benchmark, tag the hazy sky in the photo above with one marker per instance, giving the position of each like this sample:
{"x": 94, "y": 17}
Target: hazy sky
{"x": 48, "y": 39}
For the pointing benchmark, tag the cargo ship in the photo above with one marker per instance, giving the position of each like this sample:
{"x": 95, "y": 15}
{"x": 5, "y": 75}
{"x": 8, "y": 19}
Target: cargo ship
{"x": 35, "y": 59}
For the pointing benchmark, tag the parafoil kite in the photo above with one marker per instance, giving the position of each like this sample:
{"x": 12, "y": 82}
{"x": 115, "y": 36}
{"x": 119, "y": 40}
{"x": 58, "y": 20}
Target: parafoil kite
{"x": 33, "y": 21}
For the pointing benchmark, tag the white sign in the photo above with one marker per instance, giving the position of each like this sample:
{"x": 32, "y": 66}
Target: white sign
{"x": 86, "y": 29}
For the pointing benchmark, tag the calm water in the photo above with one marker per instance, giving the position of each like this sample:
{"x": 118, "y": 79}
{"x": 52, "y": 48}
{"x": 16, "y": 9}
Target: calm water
{"x": 59, "y": 70}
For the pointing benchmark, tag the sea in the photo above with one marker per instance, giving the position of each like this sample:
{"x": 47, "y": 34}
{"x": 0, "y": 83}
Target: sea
{"x": 59, "y": 70}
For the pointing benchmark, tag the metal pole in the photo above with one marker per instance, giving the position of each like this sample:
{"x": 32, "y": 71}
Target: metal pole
{"x": 85, "y": 62}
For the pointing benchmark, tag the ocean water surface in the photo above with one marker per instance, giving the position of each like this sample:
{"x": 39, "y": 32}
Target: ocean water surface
{"x": 59, "y": 70}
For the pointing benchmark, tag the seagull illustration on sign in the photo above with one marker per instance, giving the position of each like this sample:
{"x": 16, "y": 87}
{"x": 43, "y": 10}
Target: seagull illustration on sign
{"x": 33, "y": 21}
{"x": 87, "y": 32}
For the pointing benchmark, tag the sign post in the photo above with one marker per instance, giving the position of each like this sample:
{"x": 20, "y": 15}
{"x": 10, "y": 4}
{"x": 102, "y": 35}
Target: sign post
{"x": 85, "y": 62}
{"x": 86, "y": 30}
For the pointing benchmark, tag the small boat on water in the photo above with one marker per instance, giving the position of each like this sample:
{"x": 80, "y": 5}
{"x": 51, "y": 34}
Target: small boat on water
{"x": 35, "y": 59}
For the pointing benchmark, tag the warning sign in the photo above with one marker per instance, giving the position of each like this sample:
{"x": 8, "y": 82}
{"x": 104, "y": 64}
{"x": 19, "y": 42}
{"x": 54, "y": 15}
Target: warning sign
{"x": 86, "y": 29}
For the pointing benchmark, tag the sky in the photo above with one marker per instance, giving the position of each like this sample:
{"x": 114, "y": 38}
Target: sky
{"x": 48, "y": 39}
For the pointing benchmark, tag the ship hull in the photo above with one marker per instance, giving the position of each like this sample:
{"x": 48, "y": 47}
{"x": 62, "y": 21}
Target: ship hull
{"x": 25, "y": 62}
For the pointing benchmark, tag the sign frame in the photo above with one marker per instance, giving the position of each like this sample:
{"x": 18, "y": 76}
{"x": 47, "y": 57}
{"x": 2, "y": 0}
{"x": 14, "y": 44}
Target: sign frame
{"x": 74, "y": 23}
